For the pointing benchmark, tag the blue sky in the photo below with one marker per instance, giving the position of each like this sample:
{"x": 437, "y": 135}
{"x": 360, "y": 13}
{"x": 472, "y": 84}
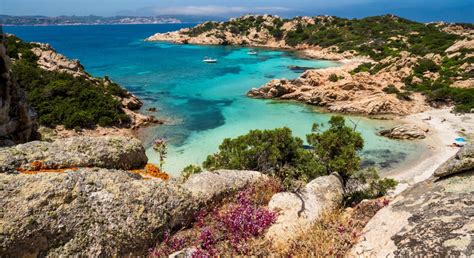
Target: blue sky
{"x": 421, "y": 10}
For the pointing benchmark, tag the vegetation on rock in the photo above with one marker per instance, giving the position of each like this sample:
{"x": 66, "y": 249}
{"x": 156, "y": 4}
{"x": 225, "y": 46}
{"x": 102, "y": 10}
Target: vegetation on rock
{"x": 230, "y": 228}
{"x": 60, "y": 98}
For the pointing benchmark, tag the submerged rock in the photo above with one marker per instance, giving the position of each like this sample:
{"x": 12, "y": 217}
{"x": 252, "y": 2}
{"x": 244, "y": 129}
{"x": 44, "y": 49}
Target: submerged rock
{"x": 105, "y": 152}
{"x": 407, "y": 132}
{"x": 298, "y": 211}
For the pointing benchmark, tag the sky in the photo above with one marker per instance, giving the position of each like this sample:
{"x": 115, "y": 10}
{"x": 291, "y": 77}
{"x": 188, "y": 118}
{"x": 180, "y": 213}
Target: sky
{"x": 420, "y": 10}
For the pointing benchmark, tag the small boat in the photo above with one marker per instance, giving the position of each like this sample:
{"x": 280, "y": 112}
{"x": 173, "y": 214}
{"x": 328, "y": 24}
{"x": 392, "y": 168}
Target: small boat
{"x": 209, "y": 60}
{"x": 252, "y": 52}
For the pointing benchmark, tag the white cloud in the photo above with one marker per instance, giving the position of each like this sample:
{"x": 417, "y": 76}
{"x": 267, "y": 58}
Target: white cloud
{"x": 216, "y": 10}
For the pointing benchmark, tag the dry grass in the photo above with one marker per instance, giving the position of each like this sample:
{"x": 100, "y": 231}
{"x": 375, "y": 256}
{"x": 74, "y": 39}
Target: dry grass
{"x": 333, "y": 235}
{"x": 337, "y": 231}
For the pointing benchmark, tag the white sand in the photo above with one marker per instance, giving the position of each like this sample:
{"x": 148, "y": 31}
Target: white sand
{"x": 443, "y": 127}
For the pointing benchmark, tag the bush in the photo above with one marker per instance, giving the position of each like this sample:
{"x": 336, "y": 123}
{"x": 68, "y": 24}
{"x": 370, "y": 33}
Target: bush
{"x": 425, "y": 65}
{"x": 365, "y": 67}
{"x": 275, "y": 152}
{"x": 405, "y": 95}
{"x": 333, "y": 77}
{"x": 189, "y": 171}
{"x": 391, "y": 89}
{"x": 367, "y": 184}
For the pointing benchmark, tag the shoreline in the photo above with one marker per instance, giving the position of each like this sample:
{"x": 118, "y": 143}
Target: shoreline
{"x": 443, "y": 127}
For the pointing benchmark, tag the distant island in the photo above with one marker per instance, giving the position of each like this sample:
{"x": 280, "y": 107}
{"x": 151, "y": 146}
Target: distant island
{"x": 8, "y": 20}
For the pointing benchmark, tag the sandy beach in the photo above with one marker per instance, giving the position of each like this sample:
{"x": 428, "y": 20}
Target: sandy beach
{"x": 444, "y": 127}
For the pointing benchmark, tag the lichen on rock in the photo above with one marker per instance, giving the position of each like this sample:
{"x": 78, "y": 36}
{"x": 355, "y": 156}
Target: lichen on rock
{"x": 105, "y": 152}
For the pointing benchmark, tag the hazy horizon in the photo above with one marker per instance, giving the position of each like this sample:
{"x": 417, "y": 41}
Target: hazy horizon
{"x": 437, "y": 10}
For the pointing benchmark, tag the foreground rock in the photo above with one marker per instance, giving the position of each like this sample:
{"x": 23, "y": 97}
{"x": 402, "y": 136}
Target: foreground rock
{"x": 462, "y": 161}
{"x": 299, "y": 211}
{"x": 406, "y": 132}
{"x": 207, "y": 186}
{"x": 101, "y": 212}
{"x": 17, "y": 119}
{"x": 105, "y": 152}
{"x": 432, "y": 218}
{"x": 90, "y": 212}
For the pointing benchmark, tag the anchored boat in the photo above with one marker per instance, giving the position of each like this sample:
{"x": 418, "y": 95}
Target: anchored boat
{"x": 209, "y": 60}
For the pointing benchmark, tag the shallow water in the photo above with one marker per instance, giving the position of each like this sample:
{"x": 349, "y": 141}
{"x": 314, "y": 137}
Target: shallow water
{"x": 206, "y": 102}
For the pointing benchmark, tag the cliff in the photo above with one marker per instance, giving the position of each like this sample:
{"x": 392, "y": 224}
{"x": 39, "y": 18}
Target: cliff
{"x": 17, "y": 119}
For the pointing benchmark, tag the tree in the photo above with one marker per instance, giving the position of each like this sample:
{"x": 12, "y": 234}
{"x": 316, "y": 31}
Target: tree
{"x": 337, "y": 148}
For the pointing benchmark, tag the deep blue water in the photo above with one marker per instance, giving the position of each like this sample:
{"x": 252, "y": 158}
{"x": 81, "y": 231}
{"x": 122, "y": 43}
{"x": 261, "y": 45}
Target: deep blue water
{"x": 204, "y": 103}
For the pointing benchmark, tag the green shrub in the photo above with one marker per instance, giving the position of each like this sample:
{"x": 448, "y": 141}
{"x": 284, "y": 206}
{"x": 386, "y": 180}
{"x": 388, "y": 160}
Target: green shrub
{"x": 367, "y": 184}
{"x": 391, "y": 89}
{"x": 404, "y": 95}
{"x": 189, "y": 171}
{"x": 333, "y": 77}
{"x": 274, "y": 152}
{"x": 425, "y": 65}
{"x": 364, "y": 67}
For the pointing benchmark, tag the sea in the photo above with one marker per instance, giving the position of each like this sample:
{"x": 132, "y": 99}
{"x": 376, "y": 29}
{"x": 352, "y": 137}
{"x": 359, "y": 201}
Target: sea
{"x": 202, "y": 103}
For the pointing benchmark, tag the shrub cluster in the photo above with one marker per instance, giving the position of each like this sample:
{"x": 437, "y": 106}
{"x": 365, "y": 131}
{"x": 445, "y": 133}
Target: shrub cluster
{"x": 278, "y": 153}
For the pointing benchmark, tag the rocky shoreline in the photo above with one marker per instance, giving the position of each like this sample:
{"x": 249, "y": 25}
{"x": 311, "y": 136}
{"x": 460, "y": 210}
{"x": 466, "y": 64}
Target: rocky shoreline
{"x": 379, "y": 91}
{"x": 50, "y": 60}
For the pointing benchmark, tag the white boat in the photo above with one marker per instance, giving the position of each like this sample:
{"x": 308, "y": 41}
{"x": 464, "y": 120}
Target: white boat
{"x": 209, "y": 60}
{"x": 252, "y": 52}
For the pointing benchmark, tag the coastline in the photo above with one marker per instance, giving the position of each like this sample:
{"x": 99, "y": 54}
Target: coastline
{"x": 444, "y": 127}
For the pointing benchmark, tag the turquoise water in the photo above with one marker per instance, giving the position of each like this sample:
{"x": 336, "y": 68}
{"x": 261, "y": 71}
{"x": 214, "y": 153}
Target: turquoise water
{"x": 204, "y": 103}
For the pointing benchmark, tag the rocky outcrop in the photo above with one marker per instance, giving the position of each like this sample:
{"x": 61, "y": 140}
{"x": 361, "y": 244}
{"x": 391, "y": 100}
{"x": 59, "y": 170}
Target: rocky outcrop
{"x": 91, "y": 212}
{"x": 432, "y": 218}
{"x": 406, "y": 132}
{"x": 460, "y": 45}
{"x": 50, "y": 60}
{"x": 101, "y": 212}
{"x": 105, "y": 152}
{"x": 225, "y": 36}
{"x": 461, "y": 162}
{"x": 207, "y": 186}
{"x": 337, "y": 90}
{"x": 17, "y": 119}
{"x": 299, "y": 211}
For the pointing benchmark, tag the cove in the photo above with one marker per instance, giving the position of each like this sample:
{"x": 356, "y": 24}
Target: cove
{"x": 204, "y": 103}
